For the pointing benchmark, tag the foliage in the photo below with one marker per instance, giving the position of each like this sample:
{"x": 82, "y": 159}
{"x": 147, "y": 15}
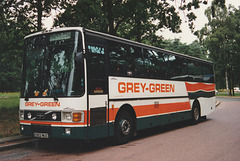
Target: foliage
{"x": 137, "y": 20}
{"x": 221, "y": 36}
{"x": 132, "y": 19}
{"x": 13, "y": 27}
{"x": 17, "y": 19}
{"x": 39, "y": 9}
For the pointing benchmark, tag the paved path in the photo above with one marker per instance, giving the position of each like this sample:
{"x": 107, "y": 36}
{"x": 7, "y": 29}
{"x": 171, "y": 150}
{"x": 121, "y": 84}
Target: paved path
{"x": 217, "y": 138}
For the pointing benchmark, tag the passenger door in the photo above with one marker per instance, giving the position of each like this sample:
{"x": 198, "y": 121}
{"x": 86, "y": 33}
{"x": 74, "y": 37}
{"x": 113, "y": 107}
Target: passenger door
{"x": 97, "y": 86}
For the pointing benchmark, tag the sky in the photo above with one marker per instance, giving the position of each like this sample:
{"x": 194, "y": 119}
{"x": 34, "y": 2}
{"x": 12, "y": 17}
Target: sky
{"x": 186, "y": 36}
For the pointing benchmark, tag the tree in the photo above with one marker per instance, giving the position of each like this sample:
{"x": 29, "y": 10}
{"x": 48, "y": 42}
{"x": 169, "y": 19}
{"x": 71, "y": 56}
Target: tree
{"x": 39, "y": 9}
{"x": 18, "y": 18}
{"x": 222, "y": 38}
{"x": 13, "y": 27}
{"x": 132, "y": 19}
{"x": 138, "y": 20}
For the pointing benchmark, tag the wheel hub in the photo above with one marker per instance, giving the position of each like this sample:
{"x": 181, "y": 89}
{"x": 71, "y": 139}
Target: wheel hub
{"x": 196, "y": 113}
{"x": 125, "y": 127}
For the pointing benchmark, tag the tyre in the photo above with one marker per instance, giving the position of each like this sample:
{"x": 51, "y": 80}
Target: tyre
{"x": 195, "y": 114}
{"x": 123, "y": 128}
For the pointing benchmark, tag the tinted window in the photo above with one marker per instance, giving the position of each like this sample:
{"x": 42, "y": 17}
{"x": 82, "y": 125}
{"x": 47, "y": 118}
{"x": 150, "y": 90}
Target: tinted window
{"x": 152, "y": 65}
{"x": 78, "y": 83}
{"x": 136, "y": 60}
{"x": 178, "y": 68}
{"x": 97, "y": 73}
{"x": 200, "y": 72}
{"x": 208, "y": 74}
{"x": 163, "y": 65}
{"x": 125, "y": 60}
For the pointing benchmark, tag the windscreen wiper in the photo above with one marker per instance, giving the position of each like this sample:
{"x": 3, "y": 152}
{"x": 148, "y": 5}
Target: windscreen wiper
{"x": 26, "y": 97}
{"x": 55, "y": 97}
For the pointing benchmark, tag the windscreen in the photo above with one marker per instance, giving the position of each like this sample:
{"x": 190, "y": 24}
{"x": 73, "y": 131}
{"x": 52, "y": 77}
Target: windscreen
{"x": 53, "y": 65}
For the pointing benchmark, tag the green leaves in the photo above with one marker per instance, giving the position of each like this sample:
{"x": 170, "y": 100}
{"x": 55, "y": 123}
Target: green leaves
{"x": 138, "y": 20}
{"x": 131, "y": 19}
{"x": 13, "y": 28}
{"x": 221, "y": 37}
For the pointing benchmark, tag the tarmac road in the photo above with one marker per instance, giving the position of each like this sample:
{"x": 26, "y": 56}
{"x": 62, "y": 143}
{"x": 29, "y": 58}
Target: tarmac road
{"x": 217, "y": 138}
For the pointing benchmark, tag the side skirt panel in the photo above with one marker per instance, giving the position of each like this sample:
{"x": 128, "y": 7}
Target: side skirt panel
{"x": 158, "y": 120}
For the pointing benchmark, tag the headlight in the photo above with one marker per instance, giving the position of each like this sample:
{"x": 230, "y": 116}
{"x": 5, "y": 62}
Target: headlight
{"x": 29, "y": 115}
{"x": 54, "y": 116}
{"x": 76, "y": 116}
{"x": 69, "y": 116}
{"x": 21, "y": 115}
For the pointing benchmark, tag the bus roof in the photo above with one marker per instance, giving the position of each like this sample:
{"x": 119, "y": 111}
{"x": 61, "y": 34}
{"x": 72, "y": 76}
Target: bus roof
{"x": 54, "y": 30}
{"x": 115, "y": 38}
{"x": 123, "y": 40}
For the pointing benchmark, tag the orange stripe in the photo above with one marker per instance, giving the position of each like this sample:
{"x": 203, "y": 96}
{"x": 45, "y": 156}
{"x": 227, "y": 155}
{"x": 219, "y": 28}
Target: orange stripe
{"x": 199, "y": 86}
{"x": 143, "y": 110}
{"x": 112, "y": 113}
{"x": 148, "y": 110}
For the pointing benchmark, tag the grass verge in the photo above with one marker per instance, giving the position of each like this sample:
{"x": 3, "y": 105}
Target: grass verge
{"x": 9, "y": 120}
{"x": 224, "y": 93}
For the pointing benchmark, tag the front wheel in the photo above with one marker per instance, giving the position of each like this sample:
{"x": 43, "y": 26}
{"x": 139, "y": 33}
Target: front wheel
{"x": 123, "y": 130}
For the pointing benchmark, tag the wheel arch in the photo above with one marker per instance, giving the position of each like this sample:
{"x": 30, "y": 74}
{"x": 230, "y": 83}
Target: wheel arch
{"x": 131, "y": 111}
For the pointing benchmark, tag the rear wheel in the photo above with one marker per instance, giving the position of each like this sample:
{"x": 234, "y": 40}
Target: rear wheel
{"x": 195, "y": 114}
{"x": 123, "y": 130}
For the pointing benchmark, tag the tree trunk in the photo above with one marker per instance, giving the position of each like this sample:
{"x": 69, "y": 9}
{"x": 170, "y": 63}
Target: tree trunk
{"x": 39, "y": 16}
{"x": 233, "y": 93}
{"x": 139, "y": 30}
{"x": 109, "y": 6}
{"x": 226, "y": 78}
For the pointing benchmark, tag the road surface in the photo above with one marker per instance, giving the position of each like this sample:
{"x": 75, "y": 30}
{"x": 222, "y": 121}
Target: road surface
{"x": 217, "y": 138}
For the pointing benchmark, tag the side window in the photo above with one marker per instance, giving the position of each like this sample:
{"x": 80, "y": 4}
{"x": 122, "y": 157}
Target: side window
{"x": 151, "y": 63}
{"x": 118, "y": 58}
{"x": 173, "y": 66}
{"x": 163, "y": 65}
{"x": 78, "y": 79}
{"x": 96, "y": 57}
{"x": 125, "y": 60}
{"x": 178, "y": 68}
{"x": 194, "y": 71}
{"x": 156, "y": 64}
{"x": 208, "y": 75}
{"x": 136, "y": 61}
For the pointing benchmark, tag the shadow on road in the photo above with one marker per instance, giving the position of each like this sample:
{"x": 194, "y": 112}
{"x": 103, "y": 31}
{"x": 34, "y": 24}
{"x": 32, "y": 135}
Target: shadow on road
{"x": 166, "y": 128}
{"x": 58, "y": 146}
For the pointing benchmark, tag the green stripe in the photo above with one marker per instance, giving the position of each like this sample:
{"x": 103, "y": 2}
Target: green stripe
{"x": 158, "y": 120}
{"x": 81, "y": 133}
{"x": 101, "y": 131}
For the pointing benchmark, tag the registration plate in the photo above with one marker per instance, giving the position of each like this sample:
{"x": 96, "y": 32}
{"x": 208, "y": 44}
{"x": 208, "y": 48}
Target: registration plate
{"x": 41, "y": 135}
